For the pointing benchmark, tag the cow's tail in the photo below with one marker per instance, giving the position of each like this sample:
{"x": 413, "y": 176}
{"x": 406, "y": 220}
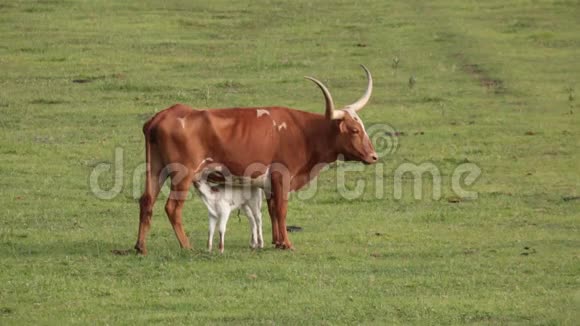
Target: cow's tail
{"x": 147, "y": 132}
{"x": 147, "y": 199}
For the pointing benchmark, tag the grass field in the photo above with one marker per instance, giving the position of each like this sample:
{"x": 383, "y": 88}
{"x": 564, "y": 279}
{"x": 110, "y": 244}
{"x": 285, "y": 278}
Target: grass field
{"x": 486, "y": 83}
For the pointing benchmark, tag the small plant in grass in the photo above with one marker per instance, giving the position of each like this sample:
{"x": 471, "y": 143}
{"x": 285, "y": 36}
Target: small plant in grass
{"x": 207, "y": 96}
{"x": 570, "y": 98}
{"x": 395, "y": 64}
{"x": 412, "y": 82}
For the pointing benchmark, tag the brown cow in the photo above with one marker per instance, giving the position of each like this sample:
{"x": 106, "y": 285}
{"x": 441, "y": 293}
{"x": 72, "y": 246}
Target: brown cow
{"x": 276, "y": 148}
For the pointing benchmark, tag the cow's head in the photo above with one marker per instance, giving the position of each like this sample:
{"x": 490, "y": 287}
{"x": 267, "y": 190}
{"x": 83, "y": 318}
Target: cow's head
{"x": 352, "y": 140}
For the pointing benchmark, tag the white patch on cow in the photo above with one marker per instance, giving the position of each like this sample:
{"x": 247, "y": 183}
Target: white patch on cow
{"x": 182, "y": 121}
{"x": 273, "y": 123}
{"x": 261, "y": 112}
{"x": 282, "y": 126}
{"x": 356, "y": 118}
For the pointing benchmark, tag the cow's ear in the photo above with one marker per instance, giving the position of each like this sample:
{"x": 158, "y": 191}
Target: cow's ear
{"x": 342, "y": 126}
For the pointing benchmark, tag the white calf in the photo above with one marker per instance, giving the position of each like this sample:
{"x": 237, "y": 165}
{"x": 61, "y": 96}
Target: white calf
{"x": 221, "y": 200}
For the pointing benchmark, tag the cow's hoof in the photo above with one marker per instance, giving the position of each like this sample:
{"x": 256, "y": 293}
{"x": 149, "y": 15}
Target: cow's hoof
{"x": 140, "y": 251}
{"x": 285, "y": 246}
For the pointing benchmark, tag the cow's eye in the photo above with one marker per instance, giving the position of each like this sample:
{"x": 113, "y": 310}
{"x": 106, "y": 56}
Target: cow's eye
{"x": 355, "y": 131}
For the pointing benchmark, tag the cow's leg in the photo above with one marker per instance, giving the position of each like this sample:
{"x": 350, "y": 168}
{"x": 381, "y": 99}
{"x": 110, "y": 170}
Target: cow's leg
{"x": 174, "y": 207}
{"x": 280, "y": 199}
{"x": 155, "y": 179}
{"x": 212, "y": 223}
{"x": 223, "y": 221}
{"x": 284, "y": 241}
{"x": 273, "y": 218}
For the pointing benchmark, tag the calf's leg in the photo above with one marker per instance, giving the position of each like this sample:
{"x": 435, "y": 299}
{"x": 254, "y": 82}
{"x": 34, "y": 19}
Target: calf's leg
{"x": 212, "y": 224}
{"x": 253, "y": 227}
{"x": 222, "y": 223}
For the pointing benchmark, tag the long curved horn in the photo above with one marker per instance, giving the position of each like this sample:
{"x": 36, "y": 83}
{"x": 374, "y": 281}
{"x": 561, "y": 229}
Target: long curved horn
{"x": 361, "y": 102}
{"x": 330, "y": 113}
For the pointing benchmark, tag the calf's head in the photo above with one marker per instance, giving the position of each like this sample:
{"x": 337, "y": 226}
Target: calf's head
{"x": 352, "y": 140}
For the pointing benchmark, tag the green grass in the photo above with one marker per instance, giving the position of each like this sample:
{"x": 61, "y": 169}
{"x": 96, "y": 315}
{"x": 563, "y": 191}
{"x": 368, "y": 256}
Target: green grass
{"x": 497, "y": 85}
